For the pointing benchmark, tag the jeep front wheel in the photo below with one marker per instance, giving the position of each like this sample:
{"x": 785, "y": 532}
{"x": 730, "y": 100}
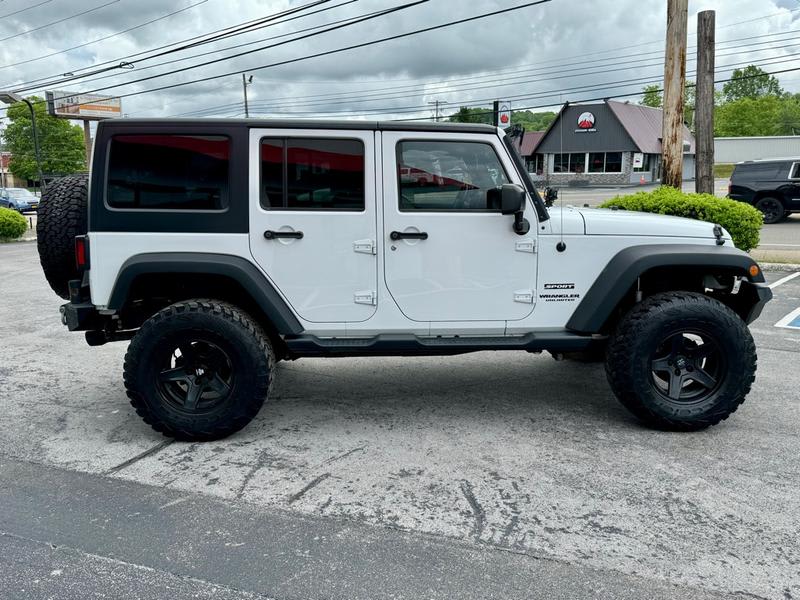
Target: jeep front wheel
{"x": 681, "y": 361}
{"x": 199, "y": 370}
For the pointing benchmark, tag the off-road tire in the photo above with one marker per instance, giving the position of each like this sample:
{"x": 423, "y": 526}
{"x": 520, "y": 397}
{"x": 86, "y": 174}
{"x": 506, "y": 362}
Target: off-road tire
{"x": 62, "y": 215}
{"x": 217, "y": 323}
{"x": 772, "y": 209}
{"x": 630, "y": 352}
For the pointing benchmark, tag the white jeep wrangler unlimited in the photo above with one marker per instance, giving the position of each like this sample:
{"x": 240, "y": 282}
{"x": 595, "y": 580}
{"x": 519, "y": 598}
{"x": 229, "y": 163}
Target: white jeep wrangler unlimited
{"x": 220, "y": 246}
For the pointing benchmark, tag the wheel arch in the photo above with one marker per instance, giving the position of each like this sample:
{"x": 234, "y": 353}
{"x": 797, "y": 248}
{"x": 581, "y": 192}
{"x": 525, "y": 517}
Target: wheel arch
{"x": 183, "y": 275}
{"x": 666, "y": 267}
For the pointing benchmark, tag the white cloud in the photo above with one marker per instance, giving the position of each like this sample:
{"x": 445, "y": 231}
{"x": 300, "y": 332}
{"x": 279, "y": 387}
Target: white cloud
{"x": 561, "y": 44}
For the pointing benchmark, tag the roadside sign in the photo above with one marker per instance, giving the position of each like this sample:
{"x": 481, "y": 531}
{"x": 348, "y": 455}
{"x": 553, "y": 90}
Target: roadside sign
{"x": 504, "y": 114}
{"x": 85, "y": 107}
{"x": 638, "y": 160}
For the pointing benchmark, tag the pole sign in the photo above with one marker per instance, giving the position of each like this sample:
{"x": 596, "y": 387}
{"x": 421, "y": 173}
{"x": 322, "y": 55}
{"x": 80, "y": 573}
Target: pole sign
{"x": 84, "y": 107}
{"x": 504, "y": 114}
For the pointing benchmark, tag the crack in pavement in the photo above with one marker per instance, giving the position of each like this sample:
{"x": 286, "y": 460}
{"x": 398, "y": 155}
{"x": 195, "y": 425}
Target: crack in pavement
{"x": 155, "y": 449}
{"x": 312, "y": 484}
{"x": 477, "y": 510}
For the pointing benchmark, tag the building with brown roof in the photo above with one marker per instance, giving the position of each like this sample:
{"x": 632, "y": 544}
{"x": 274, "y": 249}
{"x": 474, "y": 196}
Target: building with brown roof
{"x": 606, "y": 143}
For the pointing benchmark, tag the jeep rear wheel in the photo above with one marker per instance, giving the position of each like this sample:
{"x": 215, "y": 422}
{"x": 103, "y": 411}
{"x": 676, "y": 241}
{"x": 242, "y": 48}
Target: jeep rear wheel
{"x": 772, "y": 209}
{"x": 199, "y": 370}
{"x": 61, "y": 215}
{"x": 681, "y": 361}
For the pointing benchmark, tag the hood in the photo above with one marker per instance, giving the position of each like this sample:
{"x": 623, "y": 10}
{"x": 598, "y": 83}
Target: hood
{"x": 603, "y": 221}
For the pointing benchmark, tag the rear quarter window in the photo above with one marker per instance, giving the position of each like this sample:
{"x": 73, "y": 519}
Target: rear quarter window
{"x": 757, "y": 171}
{"x": 168, "y": 172}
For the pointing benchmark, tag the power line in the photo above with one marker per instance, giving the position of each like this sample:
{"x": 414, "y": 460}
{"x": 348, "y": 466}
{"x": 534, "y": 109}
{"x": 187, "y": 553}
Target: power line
{"x": 445, "y": 88}
{"x": 270, "y": 46}
{"x": 230, "y": 31}
{"x": 510, "y": 70}
{"x": 22, "y": 10}
{"x": 102, "y": 39}
{"x": 80, "y": 14}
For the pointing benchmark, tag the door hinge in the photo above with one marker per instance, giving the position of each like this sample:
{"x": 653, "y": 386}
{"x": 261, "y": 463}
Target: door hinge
{"x": 523, "y": 296}
{"x": 365, "y": 247}
{"x": 526, "y": 245}
{"x": 366, "y": 297}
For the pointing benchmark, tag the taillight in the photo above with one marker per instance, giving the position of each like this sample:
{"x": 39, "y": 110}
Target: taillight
{"x": 730, "y": 187}
{"x": 82, "y": 252}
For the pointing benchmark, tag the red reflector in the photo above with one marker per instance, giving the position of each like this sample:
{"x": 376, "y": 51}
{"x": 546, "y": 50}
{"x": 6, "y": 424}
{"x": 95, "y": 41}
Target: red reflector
{"x": 81, "y": 254}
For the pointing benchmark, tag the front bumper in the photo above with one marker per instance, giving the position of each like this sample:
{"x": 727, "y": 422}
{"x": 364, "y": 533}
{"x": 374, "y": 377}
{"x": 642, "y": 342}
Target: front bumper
{"x": 764, "y": 295}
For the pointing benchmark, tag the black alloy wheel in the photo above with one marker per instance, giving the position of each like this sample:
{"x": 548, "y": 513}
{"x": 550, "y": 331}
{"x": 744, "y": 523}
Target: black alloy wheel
{"x": 197, "y": 376}
{"x": 687, "y": 367}
{"x": 772, "y": 209}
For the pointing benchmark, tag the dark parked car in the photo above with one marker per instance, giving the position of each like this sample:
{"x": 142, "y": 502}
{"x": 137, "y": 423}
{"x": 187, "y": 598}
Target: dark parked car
{"x": 18, "y": 199}
{"x": 772, "y": 186}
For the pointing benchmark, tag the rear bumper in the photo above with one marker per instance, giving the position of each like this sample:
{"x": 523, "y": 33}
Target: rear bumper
{"x": 80, "y": 316}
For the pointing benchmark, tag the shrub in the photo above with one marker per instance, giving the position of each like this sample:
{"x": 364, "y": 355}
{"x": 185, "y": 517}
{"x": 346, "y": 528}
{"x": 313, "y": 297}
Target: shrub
{"x": 12, "y": 224}
{"x": 741, "y": 220}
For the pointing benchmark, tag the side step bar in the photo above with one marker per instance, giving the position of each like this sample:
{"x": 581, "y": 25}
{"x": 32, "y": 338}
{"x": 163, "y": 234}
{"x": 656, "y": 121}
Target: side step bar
{"x": 412, "y": 345}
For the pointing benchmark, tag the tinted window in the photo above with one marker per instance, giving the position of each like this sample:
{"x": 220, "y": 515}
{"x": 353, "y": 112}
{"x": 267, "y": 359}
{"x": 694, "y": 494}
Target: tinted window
{"x": 447, "y": 175}
{"x": 795, "y": 171}
{"x": 175, "y": 172}
{"x": 764, "y": 170}
{"x": 312, "y": 174}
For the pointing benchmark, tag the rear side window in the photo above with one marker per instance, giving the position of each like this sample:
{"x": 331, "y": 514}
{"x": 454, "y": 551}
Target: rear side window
{"x": 756, "y": 171}
{"x": 312, "y": 174}
{"x": 795, "y": 171}
{"x": 168, "y": 172}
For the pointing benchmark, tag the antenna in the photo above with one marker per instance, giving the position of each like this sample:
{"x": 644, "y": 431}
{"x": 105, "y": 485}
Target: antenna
{"x": 561, "y": 246}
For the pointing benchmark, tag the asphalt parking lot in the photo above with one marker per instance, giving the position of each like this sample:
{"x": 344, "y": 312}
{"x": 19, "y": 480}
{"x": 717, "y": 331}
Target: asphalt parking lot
{"x": 493, "y": 475}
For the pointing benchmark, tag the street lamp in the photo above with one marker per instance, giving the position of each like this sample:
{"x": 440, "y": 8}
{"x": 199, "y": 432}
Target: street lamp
{"x": 13, "y": 98}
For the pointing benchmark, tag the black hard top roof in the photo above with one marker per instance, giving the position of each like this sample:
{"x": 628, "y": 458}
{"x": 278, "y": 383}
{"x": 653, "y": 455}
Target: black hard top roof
{"x": 311, "y": 124}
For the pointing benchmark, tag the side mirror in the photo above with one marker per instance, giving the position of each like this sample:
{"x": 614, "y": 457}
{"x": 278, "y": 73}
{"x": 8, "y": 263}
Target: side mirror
{"x": 512, "y": 199}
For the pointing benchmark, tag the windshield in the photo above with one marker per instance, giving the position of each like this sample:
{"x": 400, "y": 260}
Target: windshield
{"x": 20, "y": 193}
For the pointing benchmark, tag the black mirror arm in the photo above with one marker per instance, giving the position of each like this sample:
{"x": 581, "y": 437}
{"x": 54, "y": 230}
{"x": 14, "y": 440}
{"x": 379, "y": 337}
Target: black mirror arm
{"x": 521, "y": 224}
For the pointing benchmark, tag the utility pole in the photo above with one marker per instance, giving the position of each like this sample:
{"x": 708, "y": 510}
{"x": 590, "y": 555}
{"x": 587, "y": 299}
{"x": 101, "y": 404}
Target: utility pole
{"x": 436, "y": 104}
{"x": 496, "y": 113}
{"x": 87, "y": 142}
{"x": 674, "y": 83}
{"x": 704, "y": 103}
{"x": 245, "y": 82}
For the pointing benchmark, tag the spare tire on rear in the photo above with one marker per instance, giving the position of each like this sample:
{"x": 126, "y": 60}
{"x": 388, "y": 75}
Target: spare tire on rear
{"x": 62, "y": 215}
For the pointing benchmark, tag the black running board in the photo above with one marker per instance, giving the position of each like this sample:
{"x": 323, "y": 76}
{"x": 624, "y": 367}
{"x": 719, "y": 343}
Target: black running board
{"x": 412, "y": 345}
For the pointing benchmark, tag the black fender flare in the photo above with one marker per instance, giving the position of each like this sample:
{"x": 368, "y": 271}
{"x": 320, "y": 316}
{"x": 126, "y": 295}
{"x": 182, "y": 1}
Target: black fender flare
{"x": 622, "y": 271}
{"x": 241, "y": 270}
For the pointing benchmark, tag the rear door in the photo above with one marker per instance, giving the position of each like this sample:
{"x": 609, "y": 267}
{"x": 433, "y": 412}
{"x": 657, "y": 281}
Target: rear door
{"x": 313, "y": 220}
{"x": 793, "y": 194}
{"x": 449, "y": 255}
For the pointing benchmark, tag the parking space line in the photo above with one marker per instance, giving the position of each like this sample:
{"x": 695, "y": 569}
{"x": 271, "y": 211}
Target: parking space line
{"x": 786, "y": 279}
{"x": 790, "y": 321}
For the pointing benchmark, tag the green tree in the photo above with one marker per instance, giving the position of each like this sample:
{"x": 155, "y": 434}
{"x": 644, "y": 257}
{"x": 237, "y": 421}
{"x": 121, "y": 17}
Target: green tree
{"x": 652, "y": 96}
{"x": 472, "y": 115}
{"x": 748, "y": 117}
{"x": 531, "y": 121}
{"x": 751, "y": 82}
{"x": 60, "y": 142}
{"x": 788, "y": 122}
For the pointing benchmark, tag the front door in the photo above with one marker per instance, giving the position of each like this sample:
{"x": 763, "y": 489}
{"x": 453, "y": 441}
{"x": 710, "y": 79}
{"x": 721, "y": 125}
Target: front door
{"x": 449, "y": 254}
{"x": 313, "y": 220}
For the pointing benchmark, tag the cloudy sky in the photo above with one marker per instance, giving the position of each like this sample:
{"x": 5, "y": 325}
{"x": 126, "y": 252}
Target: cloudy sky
{"x": 536, "y": 56}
